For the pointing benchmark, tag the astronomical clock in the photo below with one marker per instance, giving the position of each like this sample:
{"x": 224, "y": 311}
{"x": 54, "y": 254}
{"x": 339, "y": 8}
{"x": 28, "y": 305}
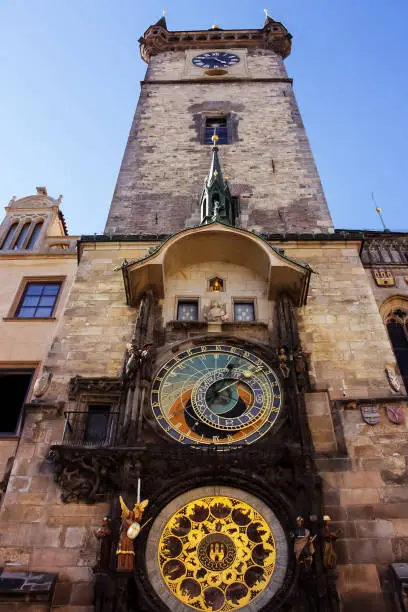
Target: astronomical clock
{"x": 216, "y": 394}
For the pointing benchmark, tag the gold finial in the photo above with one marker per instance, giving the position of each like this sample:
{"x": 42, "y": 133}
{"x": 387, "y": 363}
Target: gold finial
{"x": 379, "y": 211}
{"x": 214, "y": 138}
{"x": 164, "y": 12}
{"x": 266, "y": 13}
{"x": 215, "y": 27}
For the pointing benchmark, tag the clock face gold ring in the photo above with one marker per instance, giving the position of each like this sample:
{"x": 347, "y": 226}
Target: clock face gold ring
{"x": 216, "y": 394}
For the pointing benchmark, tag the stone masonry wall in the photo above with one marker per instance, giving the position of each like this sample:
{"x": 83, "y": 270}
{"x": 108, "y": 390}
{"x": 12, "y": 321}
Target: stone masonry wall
{"x": 364, "y": 482}
{"x": 269, "y": 165}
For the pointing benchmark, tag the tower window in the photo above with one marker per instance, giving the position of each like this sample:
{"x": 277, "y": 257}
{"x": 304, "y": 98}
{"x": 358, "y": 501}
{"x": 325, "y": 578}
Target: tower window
{"x": 217, "y": 126}
{"x": 38, "y": 300}
{"x": 187, "y": 310}
{"x": 244, "y": 311}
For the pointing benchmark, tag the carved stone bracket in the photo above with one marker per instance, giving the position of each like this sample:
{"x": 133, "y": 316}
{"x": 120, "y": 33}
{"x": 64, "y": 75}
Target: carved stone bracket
{"x": 93, "y": 474}
{"x": 99, "y": 385}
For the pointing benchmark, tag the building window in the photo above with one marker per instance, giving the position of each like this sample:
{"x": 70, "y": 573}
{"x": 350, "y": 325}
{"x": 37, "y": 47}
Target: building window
{"x": 38, "y": 300}
{"x": 217, "y": 126}
{"x": 187, "y": 310}
{"x": 97, "y": 424}
{"x": 397, "y": 326}
{"x": 19, "y": 244}
{"x": 244, "y": 311}
{"x": 14, "y": 386}
{"x": 9, "y": 237}
{"x": 34, "y": 235}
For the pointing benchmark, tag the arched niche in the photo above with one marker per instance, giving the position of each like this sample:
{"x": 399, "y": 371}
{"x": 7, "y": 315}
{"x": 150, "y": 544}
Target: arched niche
{"x": 219, "y": 243}
{"x": 394, "y": 312}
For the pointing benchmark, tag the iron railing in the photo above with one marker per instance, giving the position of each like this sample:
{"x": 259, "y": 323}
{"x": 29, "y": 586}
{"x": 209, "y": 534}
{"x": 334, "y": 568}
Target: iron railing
{"x": 90, "y": 428}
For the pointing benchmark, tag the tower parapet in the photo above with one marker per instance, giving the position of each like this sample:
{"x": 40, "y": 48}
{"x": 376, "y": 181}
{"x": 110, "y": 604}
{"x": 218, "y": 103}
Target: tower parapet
{"x": 158, "y": 39}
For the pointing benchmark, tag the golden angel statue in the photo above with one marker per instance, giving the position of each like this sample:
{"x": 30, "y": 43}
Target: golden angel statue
{"x": 129, "y": 530}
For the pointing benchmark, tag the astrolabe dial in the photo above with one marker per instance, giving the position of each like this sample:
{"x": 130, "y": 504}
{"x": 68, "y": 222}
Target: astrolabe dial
{"x": 228, "y": 565}
{"x": 216, "y": 394}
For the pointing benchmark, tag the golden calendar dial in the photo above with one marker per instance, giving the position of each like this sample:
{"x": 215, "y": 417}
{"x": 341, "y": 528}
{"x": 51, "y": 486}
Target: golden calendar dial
{"x": 216, "y": 394}
{"x": 217, "y": 553}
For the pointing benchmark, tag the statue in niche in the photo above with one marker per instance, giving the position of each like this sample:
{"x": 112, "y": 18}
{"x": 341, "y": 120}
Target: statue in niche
{"x": 392, "y": 378}
{"x": 329, "y": 537}
{"x": 42, "y": 383}
{"x": 135, "y": 358}
{"x": 129, "y": 530}
{"x": 215, "y": 312}
{"x": 104, "y": 535}
{"x": 304, "y": 548}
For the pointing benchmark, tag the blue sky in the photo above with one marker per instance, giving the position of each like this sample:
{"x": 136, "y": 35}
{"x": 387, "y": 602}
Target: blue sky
{"x": 70, "y": 72}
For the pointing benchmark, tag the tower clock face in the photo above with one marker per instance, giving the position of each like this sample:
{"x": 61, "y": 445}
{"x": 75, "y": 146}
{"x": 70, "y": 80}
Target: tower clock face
{"x": 215, "y": 59}
{"x": 216, "y": 394}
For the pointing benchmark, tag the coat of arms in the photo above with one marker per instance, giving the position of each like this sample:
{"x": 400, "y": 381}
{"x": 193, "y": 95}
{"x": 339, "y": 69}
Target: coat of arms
{"x": 395, "y": 414}
{"x": 383, "y": 278}
{"x": 370, "y": 414}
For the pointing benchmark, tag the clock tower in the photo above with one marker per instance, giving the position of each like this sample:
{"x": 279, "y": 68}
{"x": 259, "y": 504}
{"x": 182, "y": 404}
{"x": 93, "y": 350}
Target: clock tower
{"x": 217, "y": 377}
{"x": 233, "y": 82}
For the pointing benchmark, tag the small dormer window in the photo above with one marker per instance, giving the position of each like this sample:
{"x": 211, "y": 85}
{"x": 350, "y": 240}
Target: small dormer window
{"x": 34, "y": 235}
{"x": 9, "y": 237}
{"x": 216, "y": 126}
{"x": 19, "y": 244}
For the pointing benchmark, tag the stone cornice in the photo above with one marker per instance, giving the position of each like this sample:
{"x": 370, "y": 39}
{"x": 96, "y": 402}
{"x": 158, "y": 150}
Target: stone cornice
{"x": 157, "y": 39}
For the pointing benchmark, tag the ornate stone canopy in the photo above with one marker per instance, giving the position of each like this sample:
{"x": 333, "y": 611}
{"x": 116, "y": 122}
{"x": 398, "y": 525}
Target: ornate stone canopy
{"x": 217, "y": 242}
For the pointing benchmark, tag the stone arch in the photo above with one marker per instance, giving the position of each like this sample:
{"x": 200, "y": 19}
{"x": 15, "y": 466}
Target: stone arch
{"x": 394, "y": 312}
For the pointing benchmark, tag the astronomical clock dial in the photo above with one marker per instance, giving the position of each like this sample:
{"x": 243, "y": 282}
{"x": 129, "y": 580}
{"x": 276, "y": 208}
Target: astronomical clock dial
{"x": 216, "y": 394}
{"x": 215, "y": 59}
{"x": 217, "y": 553}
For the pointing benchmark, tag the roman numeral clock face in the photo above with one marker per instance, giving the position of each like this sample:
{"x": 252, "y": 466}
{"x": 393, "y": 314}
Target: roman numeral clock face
{"x": 216, "y": 394}
{"x": 215, "y": 59}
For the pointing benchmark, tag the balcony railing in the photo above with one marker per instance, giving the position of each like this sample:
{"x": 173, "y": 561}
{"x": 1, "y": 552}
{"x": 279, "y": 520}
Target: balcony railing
{"x": 94, "y": 428}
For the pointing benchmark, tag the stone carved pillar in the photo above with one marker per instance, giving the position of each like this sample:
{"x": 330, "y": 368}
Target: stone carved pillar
{"x": 137, "y": 370}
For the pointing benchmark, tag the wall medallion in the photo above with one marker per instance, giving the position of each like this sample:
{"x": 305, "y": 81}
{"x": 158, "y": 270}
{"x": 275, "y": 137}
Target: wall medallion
{"x": 383, "y": 278}
{"x": 370, "y": 414}
{"x": 395, "y": 414}
{"x": 217, "y": 553}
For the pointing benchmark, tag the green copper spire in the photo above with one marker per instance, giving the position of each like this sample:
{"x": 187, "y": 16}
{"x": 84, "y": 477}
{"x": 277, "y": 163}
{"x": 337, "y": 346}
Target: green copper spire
{"x": 216, "y": 201}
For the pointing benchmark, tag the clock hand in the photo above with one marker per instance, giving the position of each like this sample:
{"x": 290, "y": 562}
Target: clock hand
{"x": 247, "y": 374}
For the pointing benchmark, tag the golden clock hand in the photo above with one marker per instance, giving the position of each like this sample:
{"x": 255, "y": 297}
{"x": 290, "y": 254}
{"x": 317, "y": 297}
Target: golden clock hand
{"x": 246, "y": 374}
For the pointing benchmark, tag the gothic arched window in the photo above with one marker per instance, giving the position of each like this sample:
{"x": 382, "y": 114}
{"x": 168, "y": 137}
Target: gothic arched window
{"x": 19, "y": 244}
{"x": 34, "y": 235}
{"x": 9, "y": 237}
{"x": 397, "y": 326}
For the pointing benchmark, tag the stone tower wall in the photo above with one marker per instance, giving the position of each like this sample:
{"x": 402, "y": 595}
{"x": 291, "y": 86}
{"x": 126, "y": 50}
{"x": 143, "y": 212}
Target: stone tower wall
{"x": 269, "y": 163}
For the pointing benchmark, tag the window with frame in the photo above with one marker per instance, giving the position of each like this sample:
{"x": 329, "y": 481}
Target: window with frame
{"x": 217, "y": 126}
{"x": 98, "y": 424}
{"x": 187, "y": 310}
{"x": 38, "y": 300}
{"x": 19, "y": 243}
{"x": 397, "y": 327}
{"x": 14, "y": 386}
{"x": 34, "y": 235}
{"x": 9, "y": 236}
{"x": 244, "y": 311}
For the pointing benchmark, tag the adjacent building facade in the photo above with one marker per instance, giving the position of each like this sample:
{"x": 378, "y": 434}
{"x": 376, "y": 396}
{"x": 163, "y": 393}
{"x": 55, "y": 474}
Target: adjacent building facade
{"x": 223, "y": 353}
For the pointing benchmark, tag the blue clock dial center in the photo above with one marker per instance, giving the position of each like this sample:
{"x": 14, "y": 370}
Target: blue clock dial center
{"x": 215, "y": 59}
